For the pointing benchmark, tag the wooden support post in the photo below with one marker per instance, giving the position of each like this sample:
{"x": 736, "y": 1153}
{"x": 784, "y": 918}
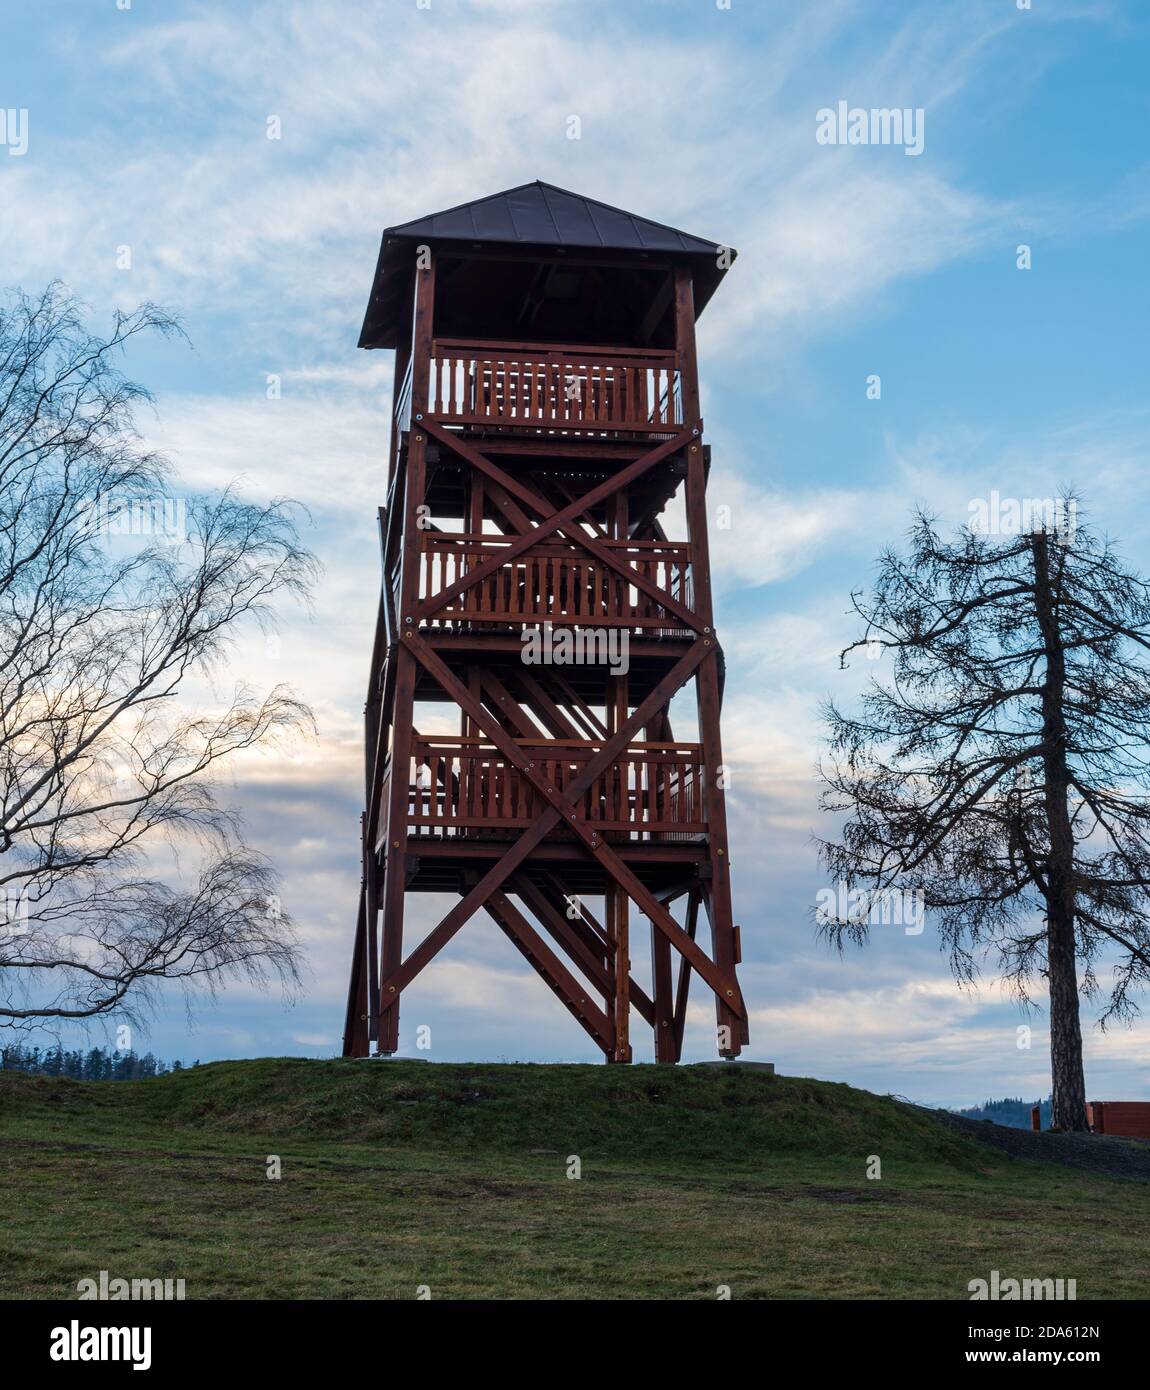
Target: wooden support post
{"x": 683, "y": 988}
{"x": 731, "y": 1027}
{"x": 665, "y": 1050}
{"x": 685, "y": 345}
{"x": 396, "y": 827}
{"x": 355, "y": 1039}
{"x": 617, "y": 903}
{"x": 731, "y": 1030}
{"x": 395, "y": 849}
{"x": 618, "y": 916}
{"x": 371, "y": 903}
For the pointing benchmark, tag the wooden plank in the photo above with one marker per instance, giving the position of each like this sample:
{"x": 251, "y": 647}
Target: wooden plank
{"x": 683, "y": 987}
{"x": 618, "y": 925}
{"x": 355, "y": 1039}
{"x": 589, "y": 959}
{"x": 719, "y": 907}
{"x": 664, "y": 1021}
{"x": 548, "y": 965}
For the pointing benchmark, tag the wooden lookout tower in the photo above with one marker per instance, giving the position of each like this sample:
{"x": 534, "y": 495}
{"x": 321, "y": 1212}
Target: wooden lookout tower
{"x": 546, "y": 593}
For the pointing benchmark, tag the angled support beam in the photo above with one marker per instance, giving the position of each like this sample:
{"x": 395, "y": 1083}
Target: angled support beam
{"x": 590, "y": 960}
{"x": 586, "y": 917}
{"x": 508, "y": 707}
{"x": 683, "y": 988}
{"x": 588, "y": 715}
{"x": 514, "y": 515}
{"x": 547, "y": 963}
{"x": 664, "y": 1021}
{"x": 723, "y": 982}
{"x": 569, "y": 494}
{"x": 397, "y": 981}
{"x": 499, "y": 476}
{"x": 545, "y": 707}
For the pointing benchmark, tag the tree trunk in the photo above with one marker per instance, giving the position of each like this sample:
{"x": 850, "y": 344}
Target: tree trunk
{"x": 1067, "y": 1078}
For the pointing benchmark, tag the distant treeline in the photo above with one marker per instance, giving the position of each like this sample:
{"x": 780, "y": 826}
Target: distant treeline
{"x": 96, "y": 1064}
{"x": 1014, "y": 1111}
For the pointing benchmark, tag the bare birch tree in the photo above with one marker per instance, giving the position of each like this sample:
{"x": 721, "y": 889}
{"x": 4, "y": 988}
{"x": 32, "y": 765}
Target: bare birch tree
{"x": 100, "y": 760}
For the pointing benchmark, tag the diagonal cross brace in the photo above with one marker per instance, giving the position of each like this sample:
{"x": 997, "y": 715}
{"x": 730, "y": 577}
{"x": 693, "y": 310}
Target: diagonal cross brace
{"x": 556, "y": 974}
{"x": 587, "y": 959}
{"x": 562, "y": 807}
{"x": 500, "y": 871}
{"x": 562, "y": 520}
{"x": 578, "y": 536}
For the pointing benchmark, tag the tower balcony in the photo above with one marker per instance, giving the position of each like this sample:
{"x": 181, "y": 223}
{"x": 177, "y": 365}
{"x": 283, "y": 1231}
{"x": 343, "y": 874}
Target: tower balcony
{"x": 466, "y": 788}
{"x": 553, "y": 582}
{"x": 548, "y": 388}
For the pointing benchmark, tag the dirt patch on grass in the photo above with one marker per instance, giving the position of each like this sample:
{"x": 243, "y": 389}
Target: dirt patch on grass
{"x": 467, "y": 1188}
{"x": 845, "y": 1195}
{"x": 848, "y": 1194}
{"x": 54, "y": 1144}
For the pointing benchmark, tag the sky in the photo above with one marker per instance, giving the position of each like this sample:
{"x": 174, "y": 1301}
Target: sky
{"x": 147, "y": 128}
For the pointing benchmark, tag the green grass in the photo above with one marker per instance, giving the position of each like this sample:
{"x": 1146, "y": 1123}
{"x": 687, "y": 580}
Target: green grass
{"x": 402, "y": 1174}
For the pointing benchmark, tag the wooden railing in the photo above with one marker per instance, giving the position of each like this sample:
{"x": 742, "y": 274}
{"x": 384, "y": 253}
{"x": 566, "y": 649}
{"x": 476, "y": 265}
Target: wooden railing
{"x": 403, "y": 401}
{"x": 557, "y": 387}
{"x": 464, "y": 786}
{"x": 553, "y": 582}
{"x": 384, "y": 793}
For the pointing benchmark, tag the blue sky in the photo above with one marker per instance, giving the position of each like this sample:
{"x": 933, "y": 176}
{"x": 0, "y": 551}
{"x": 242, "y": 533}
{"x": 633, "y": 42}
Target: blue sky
{"x": 147, "y": 129}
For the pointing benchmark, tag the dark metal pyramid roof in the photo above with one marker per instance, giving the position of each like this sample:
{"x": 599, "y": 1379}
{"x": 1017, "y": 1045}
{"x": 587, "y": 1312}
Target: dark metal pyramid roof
{"x": 532, "y": 214}
{"x": 541, "y": 214}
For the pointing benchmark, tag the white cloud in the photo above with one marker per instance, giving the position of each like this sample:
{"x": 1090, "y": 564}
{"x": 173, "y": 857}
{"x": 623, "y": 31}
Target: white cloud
{"x": 287, "y": 229}
{"x": 327, "y": 450}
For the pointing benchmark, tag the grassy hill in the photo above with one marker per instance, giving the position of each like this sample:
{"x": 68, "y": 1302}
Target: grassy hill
{"x": 403, "y": 1174}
